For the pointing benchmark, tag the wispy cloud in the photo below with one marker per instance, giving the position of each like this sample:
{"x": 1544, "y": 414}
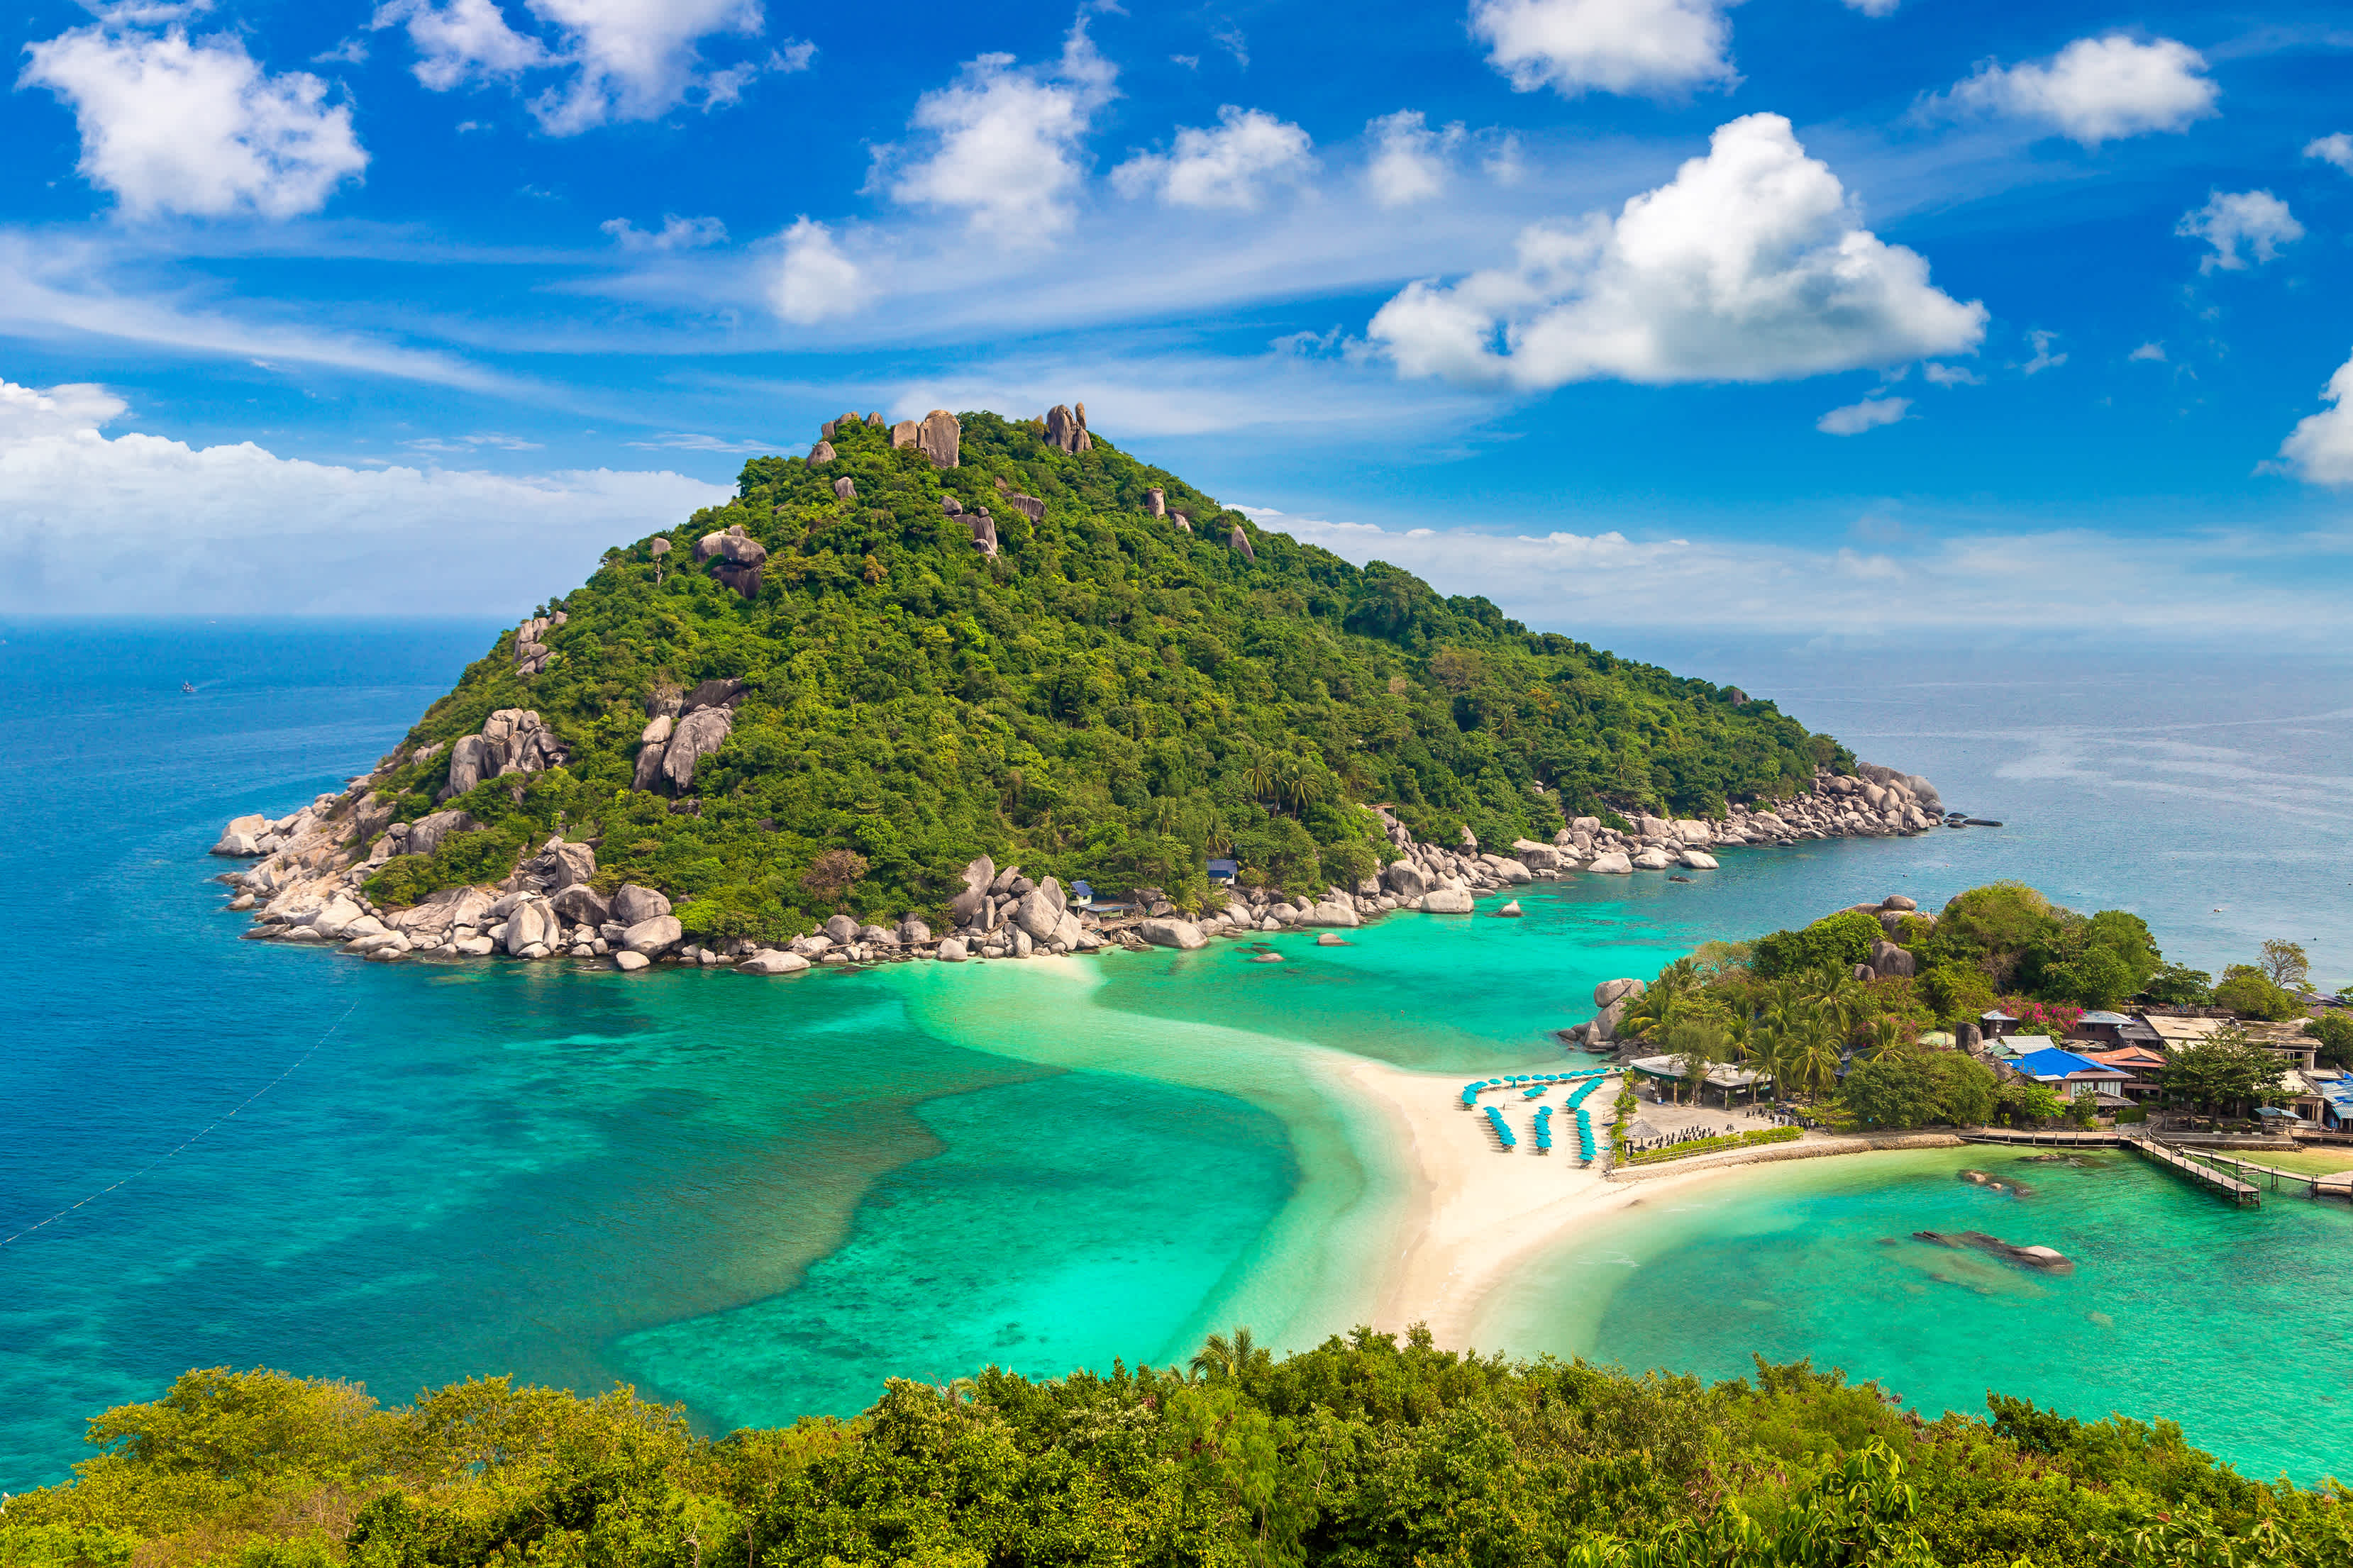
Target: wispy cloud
{"x": 1570, "y": 582}
{"x": 52, "y": 287}
{"x": 235, "y": 529}
{"x": 686, "y": 441}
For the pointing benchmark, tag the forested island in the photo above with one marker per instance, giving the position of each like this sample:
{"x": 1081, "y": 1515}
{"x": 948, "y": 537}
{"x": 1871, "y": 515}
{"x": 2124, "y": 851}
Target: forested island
{"x": 1361, "y": 1452}
{"x": 974, "y": 639}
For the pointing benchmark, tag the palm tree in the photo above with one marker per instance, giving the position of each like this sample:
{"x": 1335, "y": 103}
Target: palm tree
{"x": 1646, "y": 1016}
{"x": 1818, "y": 1053}
{"x": 1879, "y": 1036}
{"x": 1260, "y": 777}
{"x": 1240, "y": 1357}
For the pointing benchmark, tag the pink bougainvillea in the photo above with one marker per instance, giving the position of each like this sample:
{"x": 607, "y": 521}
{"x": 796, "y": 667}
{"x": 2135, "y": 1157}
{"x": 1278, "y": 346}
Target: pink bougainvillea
{"x": 2057, "y": 1020}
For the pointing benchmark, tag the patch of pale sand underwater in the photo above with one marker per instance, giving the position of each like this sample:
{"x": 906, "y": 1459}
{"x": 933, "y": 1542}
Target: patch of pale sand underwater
{"x": 1404, "y": 1211}
{"x": 1316, "y": 1269}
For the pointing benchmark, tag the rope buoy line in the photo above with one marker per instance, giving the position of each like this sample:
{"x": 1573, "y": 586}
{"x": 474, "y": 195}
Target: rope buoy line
{"x": 192, "y": 1138}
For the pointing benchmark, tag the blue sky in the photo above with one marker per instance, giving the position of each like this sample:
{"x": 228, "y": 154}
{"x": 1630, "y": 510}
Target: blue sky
{"x": 1858, "y": 318}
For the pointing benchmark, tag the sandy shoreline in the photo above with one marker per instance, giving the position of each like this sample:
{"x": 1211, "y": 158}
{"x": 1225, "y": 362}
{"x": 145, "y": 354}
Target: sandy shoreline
{"x": 1473, "y": 1216}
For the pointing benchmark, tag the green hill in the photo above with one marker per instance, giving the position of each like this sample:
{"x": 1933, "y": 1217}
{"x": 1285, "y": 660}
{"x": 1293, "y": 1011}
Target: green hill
{"x": 1107, "y": 696}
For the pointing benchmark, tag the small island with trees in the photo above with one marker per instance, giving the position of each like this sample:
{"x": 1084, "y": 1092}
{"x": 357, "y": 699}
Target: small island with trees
{"x": 1886, "y": 1017}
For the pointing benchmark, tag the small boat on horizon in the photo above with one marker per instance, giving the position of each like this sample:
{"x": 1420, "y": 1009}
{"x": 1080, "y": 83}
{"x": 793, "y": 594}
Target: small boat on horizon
{"x": 187, "y": 688}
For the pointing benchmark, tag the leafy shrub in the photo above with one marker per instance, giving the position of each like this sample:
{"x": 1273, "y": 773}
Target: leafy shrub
{"x": 2176, "y": 985}
{"x": 1910, "y": 1087}
{"x": 1836, "y": 941}
{"x": 2248, "y": 992}
{"x": 2333, "y": 1030}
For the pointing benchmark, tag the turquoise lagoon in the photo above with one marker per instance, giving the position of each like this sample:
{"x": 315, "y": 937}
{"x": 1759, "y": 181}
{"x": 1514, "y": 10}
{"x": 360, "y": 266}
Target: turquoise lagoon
{"x": 761, "y": 1198}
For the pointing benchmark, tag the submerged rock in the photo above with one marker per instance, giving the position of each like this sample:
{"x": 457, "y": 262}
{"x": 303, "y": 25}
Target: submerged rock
{"x": 2050, "y": 1260}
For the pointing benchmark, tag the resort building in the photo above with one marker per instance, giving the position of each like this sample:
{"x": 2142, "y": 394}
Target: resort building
{"x": 1666, "y": 1075}
{"x": 2143, "y": 1063}
{"x": 2334, "y": 1092}
{"x": 2114, "y": 1031}
{"x": 2073, "y": 1075}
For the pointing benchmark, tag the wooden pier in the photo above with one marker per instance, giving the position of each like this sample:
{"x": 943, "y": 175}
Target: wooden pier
{"x": 2207, "y": 1176}
{"x": 2332, "y": 1184}
{"x": 2041, "y": 1140}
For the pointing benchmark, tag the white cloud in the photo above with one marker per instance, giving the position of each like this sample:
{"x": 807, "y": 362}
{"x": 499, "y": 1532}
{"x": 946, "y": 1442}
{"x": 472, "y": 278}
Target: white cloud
{"x": 2335, "y": 149}
{"x": 1409, "y": 160}
{"x": 676, "y": 233}
{"x": 2148, "y": 352}
{"x": 2041, "y": 340}
{"x": 1869, "y": 414}
{"x": 145, "y": 12}
{"x": 1003, "y": 142}
{"x": 53, "y": 286}
{"x": 139, "y": 524}
{"x": 2099, "y": 89}
{"x": 463, "y": 444}
{"x": 815, "y": 280}
{"x": 65, "y": 410}
{"x": 687, "y": 441}
{"x": 620, "y": 60}
{"x": 2257, "y": 219}
{"x": 1950, "y": 376}
{"x": 2320, "y": 448}
{"x": 1584, "y": 582}
{"x": 461, "y": 41}
{"x": 1228, "y": 37}
{"x": 1874, "y": 8}
{"x": 1751, "y": 265}
{"x": 171, "y": 126}
{"x": 1229, "y": 167}
{"x": 1636, "y": 47}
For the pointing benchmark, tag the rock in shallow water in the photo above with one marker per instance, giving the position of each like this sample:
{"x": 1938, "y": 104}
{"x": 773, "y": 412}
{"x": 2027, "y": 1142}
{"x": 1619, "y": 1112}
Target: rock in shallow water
{"x": 1172, "y": 933}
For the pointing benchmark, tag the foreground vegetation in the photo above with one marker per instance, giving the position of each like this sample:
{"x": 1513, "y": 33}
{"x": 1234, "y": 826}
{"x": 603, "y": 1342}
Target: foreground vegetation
{"x": 1362, "y": 1451}
{"x": 1788, "y": 1004}
{"x": 1109, "y": 698}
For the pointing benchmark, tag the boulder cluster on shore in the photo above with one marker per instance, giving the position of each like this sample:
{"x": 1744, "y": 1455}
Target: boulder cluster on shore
{"x": 308, "y": 883}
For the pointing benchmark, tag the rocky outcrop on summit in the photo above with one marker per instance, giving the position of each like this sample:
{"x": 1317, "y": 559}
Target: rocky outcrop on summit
{"x": 1067, "y": 429}
{"x": 940, "y": 439}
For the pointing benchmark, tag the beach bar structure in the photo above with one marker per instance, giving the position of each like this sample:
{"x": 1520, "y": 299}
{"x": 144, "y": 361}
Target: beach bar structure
{"x": 1722, "y": 1078}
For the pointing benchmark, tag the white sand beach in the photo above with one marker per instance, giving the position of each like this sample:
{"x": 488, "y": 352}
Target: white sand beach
{"x": 1472, "y": 1215}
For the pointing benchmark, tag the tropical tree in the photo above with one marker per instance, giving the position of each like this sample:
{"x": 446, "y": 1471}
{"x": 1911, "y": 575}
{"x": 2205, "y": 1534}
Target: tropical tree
{"x": 1819, "y": 1052}
{"x": 1262, "y": 777}
{"x": 2285, "y": 964}
{"x": 1879, "y": 1036}
{"x": 1646, "y": 1017}
{"x": 2229, "y": 1069}
{"x": 1238, "y": 1357}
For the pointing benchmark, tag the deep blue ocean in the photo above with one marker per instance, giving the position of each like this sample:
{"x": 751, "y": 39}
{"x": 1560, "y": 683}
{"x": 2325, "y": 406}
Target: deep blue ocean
{"x": 761, "y": 1197}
